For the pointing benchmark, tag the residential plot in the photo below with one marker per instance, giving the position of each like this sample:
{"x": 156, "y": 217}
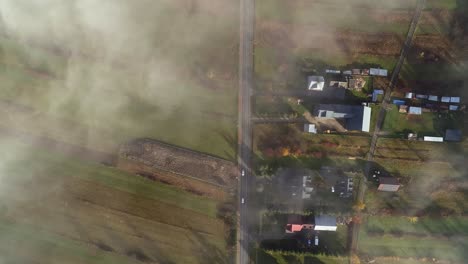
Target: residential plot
{"x": 278, "y": 140}
{"x": 333, "y": 34}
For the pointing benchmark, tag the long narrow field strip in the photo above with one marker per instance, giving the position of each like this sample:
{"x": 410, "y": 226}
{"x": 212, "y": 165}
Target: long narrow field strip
{"x": 453, "y": 249}
{"x": 112, "y": 215}
{"x": 426, "y": 226}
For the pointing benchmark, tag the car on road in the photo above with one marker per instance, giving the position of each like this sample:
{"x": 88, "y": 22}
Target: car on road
{"x": 243, "y": 173}
{"x": 242, "y": 201}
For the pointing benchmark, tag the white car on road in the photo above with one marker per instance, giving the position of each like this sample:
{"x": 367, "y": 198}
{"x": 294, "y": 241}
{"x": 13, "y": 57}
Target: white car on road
{"x": 243, "y": 173}
{"x": 242, "y": 200}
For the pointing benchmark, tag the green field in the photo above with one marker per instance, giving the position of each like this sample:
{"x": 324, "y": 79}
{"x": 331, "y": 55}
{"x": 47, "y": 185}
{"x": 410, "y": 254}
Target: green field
{"x": 131, "y": 76}
{"x": 309, "y": 13}
{"x": 58, "y": 209}
{"x": 268, "y": 257}
{"x": 440, "y": 238}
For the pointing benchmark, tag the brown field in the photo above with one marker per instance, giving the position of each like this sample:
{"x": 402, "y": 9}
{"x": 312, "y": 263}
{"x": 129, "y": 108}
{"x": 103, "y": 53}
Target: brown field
{"x": 185, "y": 182}
{"x": 284, "y": 140}
{"x": 181, "y": 161}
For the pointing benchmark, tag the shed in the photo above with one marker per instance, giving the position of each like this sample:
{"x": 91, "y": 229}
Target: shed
{"x": 414, "y": 110}
{"x": 375, "y": 94}
{"x": 325, "y": 223}
{"x": 445, "y": 99}
{"x": 315, "y": 83}
{"x": 434, "y": 98}
{"x": 388, "y": 184}
{"x": 310, "y": 128}
{"x": 455, "y": 99}
{"x": 434, "y": 139}
{"x": 398, "y": 102}
{"x": 453, "y": 107}
{"x": 412, "y": 136}
{"x": 403, "y": 109}
{"x": 348, "y": 72}
{"x": 356, "y": 71}
{"x": 338, "y": 84}
{"x": 409, "y": 95}
{"x": 333, "y": 71}
{"x": 378, "y": 72}
{"x": 453, "y": 135}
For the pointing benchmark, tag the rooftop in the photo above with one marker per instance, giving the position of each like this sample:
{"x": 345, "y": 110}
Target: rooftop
{"x": 453, "y": 135}
{"x": 413, "y": 110}
{"x": 357, "y": 117}
{"x": 325, "y": 223}
{"x": 388, "y": 184}
{"x": 315, "y": 83}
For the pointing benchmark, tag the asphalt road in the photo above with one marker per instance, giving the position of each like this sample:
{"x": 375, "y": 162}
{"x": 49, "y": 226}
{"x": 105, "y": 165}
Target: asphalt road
{"x": 247, "y": 24}
{"x": 385, "y": 106}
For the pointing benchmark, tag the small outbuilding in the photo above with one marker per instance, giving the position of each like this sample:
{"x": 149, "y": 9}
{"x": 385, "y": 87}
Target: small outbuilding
{"x": 338, "y": 84}
{"x": 376, "y": 93}
{"x": 315, "y": 83}
{"x": 414, "y": 110}
{"x": 412, "y": 136}
{"x": 445, "y": 99}
{"x": 453, "y": 107}
{"x": 433, "y": 139}
{"x": 310, "y": 128}
{"x": 409, "y": 95}
{"x": 356, "y": 71}
{"x": 388, "y": 184}
{"x": 378, "y": 72}
{"x": 434, "y": 98}
{"x": 455, "y": 100}
{"x": 403, "y": 109}
{"x": 333, "y": 71}
{"x": 454, "y": 135}
{"x": 325, "y": 223}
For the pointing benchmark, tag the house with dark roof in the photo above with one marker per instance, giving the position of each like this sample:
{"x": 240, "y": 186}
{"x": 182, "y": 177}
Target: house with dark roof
{"x": 354, "y": 117}
{"x": 454, "y": 135}
{"x": 388, "y": 184}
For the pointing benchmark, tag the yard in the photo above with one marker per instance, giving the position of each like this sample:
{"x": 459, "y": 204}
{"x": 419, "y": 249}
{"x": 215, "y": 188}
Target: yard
{"x": 58, "y": 209}
{"x": 174, "y": 83}
{"x": 276, "y": 140}
{"x": 331, "y": 249}
{"x": 298, "y": 38}
{"x": 399, "y": 123}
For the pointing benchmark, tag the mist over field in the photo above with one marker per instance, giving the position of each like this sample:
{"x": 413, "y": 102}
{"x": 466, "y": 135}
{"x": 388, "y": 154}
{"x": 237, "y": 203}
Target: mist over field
{"x": 80, "y": 78}
{"x": 120, "y": 65}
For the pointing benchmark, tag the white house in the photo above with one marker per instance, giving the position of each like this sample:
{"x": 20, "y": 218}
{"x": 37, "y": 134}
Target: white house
{"x": 315, "y": 83}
